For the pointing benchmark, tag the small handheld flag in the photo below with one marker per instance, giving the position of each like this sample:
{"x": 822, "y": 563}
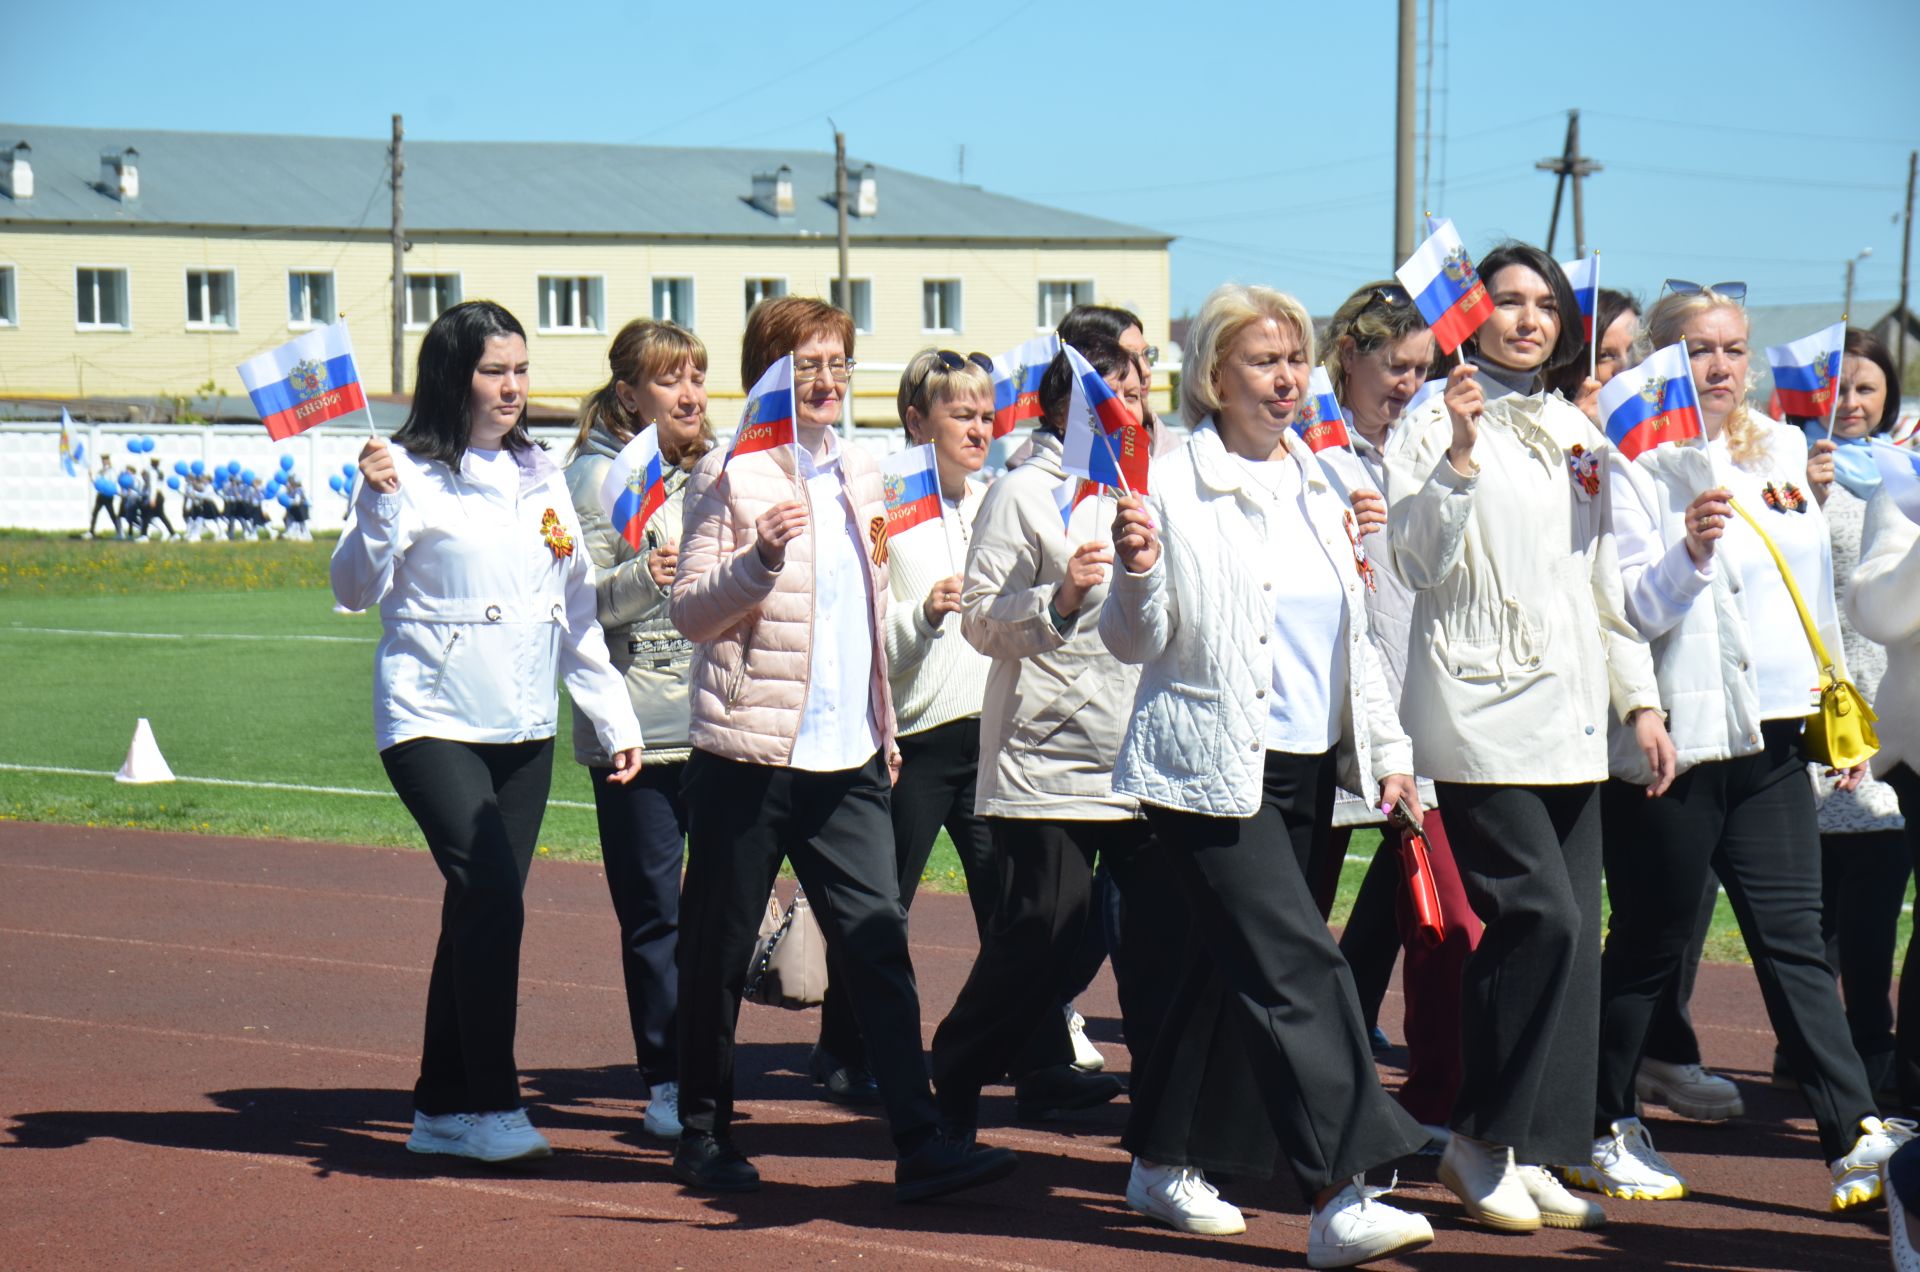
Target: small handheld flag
{"x": 1016, "y": 381}
{"x": 1104, "y": 442}
{"x": 307, "y": 381}
{"x": 73, "y": 453}
{"x": 1584, "y": 274}
{"x": 1319, "y": 422}
{"x": 1806, "y": 370}
{"x": 1652, "y": 404}
{"x": 768, "y": 420}
{"x": 1899, "y": 475}
{"x": 1445, "y": 287}
{"x": 635, "y": 487}
{"x": 910, "y": 484}
{"x": 1070, "y": 494}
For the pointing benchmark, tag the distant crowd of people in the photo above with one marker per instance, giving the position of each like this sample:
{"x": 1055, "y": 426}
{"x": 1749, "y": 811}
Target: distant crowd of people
{"x": 213, "y": 504}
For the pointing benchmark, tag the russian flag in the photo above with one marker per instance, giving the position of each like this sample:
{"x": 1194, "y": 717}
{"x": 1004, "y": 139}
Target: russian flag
{"x": 1070, "y": 494}
{"x": 910, "y": 484}
{"x": 72, "y": 454}
{"x": 1319, "y": 421}
{"x": 307, "y": 381}
{"x": 1899, "y": 475}
{"x": 1104, "y": 442}
{"x": 1805, "y": 371}
{"x": 635, "y": 487}
{"x": 1652, "y": 404}
{"x": 1445, "y": 287}
{"x": 768, "y": 420}
{"x": 1016, "y": 381}
{"x": 1584, "y": 274}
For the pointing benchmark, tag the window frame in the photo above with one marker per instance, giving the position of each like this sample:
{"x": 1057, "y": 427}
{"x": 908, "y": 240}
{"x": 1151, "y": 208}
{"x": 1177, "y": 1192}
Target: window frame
{"x": 854, "y": 282}
{"x": 126, "y": 298}
{"x": 206, "y": 272}
{"x": 1040, "y": 285}
{"x": 693, "y": 299}
{"x": 597, "y": 302}
{"x": 786, "y": 289}
{"x": 959, "y": 304}
{"x": 10, "y": 294}
{"x": 459, "y": 293}
{"x": 333, "y": 299}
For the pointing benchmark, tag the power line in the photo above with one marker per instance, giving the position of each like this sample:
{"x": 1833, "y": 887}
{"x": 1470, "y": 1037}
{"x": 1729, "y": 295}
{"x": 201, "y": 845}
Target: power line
{"x": 1695, "y": 125}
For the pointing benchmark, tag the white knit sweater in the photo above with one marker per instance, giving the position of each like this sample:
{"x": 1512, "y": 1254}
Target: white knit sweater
{"x": 937, "y": 676}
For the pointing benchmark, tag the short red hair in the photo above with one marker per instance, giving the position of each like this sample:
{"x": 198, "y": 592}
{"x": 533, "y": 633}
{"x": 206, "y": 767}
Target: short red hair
{"x": 776, "y": 327}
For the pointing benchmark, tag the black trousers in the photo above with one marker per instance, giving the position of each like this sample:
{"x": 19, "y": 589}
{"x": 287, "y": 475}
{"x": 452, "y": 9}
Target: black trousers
{"x": 1906, "y": 1040}
{"x": 935, "y": 789}
{"x": 1863, "y": 884}
{"x": 643, "y": 827}
{"x": 1752, "y": 821}
{"x": 1007, "y": 1019}
{"x": 1370, "y": 942}
{"x": 835, "y": 828}
{"x": 480, "y": 808}
{"x": 103, "y": 503}
{"x": 1266, "y": 1018}
{"x": 1529, "y": 858}
{"x": 1670, "y": 1035}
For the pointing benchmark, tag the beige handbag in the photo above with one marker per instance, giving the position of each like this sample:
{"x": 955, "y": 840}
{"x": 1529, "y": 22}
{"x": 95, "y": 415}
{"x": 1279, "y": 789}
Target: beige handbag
{"x": 789, "y": 967}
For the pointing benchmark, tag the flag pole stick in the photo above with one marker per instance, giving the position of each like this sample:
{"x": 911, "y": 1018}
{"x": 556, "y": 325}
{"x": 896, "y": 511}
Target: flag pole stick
{"x": 1593, "y": 341}
{"x": 1833, "y": 412}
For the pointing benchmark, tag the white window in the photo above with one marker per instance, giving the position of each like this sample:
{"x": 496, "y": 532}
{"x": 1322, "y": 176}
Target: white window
{"x": 861, "y": 310}
{"x": 100, "y": 299}
{"x": 429, "y": 296}
{"x": 759, "y": 289}
{"x": 572, "y": 304}
{"x": 940, "y": 304}
{"x": 673, "y": 301}
{"x": 210, "y": 299}
{"x": 310, "y": 299}
{"x": 1056, "y": 298}
{"x": 9, "y": 301}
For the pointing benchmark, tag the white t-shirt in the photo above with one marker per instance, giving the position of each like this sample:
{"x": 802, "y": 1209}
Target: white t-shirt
{"x": 1309, "y": 617}
{"x": 837, "y": 730}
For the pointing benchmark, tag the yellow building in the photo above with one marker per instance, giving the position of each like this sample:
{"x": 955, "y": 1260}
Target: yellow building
{"x": 146, "y": 264}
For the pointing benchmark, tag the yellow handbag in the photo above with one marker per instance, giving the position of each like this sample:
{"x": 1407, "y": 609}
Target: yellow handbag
{"x": 1840, "y": 734}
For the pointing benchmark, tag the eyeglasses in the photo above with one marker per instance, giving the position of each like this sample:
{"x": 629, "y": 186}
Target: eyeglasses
{"x": 807, "y": 370}
{"x": 1149, "y": 355}
{"x": 952, "y": 361}
{"x": 1734, "y": 291}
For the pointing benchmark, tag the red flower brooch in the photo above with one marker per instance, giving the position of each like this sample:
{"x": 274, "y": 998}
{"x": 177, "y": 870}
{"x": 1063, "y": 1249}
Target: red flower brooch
{"x": 555, "y": 535}
{"x": 1785, "y": 498}
{"x": 1584, "y": 466}
{"x": 1360, "y": 562}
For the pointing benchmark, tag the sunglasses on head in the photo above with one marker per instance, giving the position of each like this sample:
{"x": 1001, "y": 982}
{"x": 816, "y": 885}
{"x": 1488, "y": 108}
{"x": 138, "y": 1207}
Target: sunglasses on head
{"x": 1392, "y": 296}
{"x": 1734, "y": 291}
{"x": 951, "y": 361}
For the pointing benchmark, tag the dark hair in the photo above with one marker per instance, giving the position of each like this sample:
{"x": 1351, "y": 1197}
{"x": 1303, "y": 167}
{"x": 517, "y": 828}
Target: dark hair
{"x": 438, "y": 421}
{"x": 1570, "y": 345}
{"x": 1102, "y": 353}
{"x": 1610, "y": 304}
{"x": 1864, "y": 344}
{"x": 1085, "y": 321}
{"x": 776, "y": 327}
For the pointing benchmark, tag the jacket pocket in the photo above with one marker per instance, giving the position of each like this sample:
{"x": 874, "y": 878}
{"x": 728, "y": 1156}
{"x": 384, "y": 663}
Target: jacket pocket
{"x": 1047, "y": 721}
{"x": 1180, "y": 725}
{"x": 437, "y": 681}
{"x": 737, "y": 678}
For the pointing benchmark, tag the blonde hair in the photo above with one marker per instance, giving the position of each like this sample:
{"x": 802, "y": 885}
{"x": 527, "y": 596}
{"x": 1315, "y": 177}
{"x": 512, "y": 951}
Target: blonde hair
{"x": 645, "y": 347}
{"x": 1666, "y": 323}
{"x": 929, "y": 380}
{"x": 1227, "y": 311}
{"x": 1373, "y": 323}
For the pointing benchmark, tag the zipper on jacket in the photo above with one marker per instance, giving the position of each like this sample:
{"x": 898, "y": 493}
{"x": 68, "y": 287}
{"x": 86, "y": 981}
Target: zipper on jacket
{"x": 441, "y": 671}
{"x": 740, "y": 673}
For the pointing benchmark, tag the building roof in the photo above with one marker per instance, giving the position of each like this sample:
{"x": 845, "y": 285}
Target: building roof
{"x": 534, "y": 188}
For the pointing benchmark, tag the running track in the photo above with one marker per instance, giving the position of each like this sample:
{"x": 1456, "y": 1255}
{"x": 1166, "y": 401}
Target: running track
{"x": 206, "y": 1044}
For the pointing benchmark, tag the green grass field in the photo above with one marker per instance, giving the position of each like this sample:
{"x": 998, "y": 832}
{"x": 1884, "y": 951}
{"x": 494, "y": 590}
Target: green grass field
{"x": 232, "y": 651}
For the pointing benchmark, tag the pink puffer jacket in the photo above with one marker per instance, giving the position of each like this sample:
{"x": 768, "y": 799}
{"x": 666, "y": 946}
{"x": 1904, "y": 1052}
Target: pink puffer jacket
{"x": 752, "y": 627}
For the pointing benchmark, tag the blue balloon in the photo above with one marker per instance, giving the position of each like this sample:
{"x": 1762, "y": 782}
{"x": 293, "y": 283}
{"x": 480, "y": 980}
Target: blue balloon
{"x": 338, "y": 483}
{"x": 147, "y": 444}
{"x": 173, "y": 483}
{"x": 105, "y": 485}
{"x": 233, "y": 468}
{"x": 246, "y": 475}
{"x": 286, "y": 463}
{"x": 286, "y": 500}
{"x": 198, "y": 467}
{"x": 133, "y": 446}
{"x": 346, "y": 470}
{"x": 126, "y": 481}
{"x": 180, "y": 467}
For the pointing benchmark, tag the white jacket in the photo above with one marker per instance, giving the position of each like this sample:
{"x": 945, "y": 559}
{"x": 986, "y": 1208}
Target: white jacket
{"x": 1519, "y": 629}
{"x": 1200, "y": 620}
{"x": 477, "y": 612}
{"x": 1884, "y": 604}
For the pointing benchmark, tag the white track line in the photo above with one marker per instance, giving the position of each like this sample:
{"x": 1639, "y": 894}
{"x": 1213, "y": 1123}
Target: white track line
{"x": 57, "y": 771}
{"x": 86, "y": 631}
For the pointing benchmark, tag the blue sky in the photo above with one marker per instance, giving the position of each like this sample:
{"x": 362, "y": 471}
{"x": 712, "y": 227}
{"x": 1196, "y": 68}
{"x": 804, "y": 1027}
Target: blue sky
{"x": 1762, "y": 141}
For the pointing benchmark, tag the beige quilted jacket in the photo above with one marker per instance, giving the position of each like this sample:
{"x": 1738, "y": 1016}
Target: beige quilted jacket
{"x": 752, "y": 627}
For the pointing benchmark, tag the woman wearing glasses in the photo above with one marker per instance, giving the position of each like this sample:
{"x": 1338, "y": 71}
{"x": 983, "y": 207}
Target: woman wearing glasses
{"x": 1522, "y": 655}
{"x": 783, "y": 591}
{"x": 1377, "y": 353}
{"x": 1736, "y": 672}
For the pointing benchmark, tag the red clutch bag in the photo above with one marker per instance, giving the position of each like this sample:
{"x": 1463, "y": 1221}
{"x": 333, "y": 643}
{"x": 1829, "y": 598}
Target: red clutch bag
{"x": 1428, "y": 924}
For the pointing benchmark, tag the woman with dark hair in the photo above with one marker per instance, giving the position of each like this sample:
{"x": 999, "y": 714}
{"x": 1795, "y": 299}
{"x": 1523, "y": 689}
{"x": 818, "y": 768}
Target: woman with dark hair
{"x": 1616, "y": 323}
{"x": 782, "y": 586}
{"x": 658, "y": 381}
{"x": 1522, "y": 653}
{"x": 463, "y": 534}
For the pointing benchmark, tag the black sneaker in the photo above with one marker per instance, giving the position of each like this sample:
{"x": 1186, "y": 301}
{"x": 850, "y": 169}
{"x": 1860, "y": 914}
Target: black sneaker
{"x": 844, "y": 1083}
{"x": 945, "y": 1165}
{"x": 713, "y": 1165}
{"x": 1061, "y": 1088}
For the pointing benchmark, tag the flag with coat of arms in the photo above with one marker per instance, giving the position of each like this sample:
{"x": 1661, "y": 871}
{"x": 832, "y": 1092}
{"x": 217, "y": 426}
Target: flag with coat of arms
{"x": 307, "y": 381}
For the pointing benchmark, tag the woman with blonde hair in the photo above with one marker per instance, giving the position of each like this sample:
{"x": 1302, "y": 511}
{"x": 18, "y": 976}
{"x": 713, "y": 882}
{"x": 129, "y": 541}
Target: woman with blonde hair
{"x": 658, "y": 381}
{"x": 1738, "y": 675}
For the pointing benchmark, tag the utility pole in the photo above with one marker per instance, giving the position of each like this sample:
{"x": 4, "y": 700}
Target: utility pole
{"x": 399, "y": 234}
{"x": 1571, "y": 163}
{"x": 1906, "y": 254}
{"x": 846, "y": 281}
{"x": 1846, "y": 306}
{"x": 1403, "y": 223}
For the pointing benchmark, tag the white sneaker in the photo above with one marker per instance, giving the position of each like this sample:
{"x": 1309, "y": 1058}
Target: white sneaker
{"x": 1086, "y": 1056}
{"x": 1558, "y": 1207}
{"x": 1181, "y": 1198}
{"x": 1353, "y": 1228}
{"x": 1688, "y": 1090}
{"x": 502, "y": 1136}
{"x": 1626, "y": 1165}
{"x": 1857, "y": 1176}
{"x": 663, "y": 1112}
{"x": 1484, "y": 1178}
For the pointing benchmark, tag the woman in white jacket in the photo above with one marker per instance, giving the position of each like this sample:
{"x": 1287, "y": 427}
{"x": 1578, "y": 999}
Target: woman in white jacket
{"x": 463, "y": 534}
{"x": 1521, "y": 653}
{"x": 1239, "y": 594}
{"x": 1738, "y": 679}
